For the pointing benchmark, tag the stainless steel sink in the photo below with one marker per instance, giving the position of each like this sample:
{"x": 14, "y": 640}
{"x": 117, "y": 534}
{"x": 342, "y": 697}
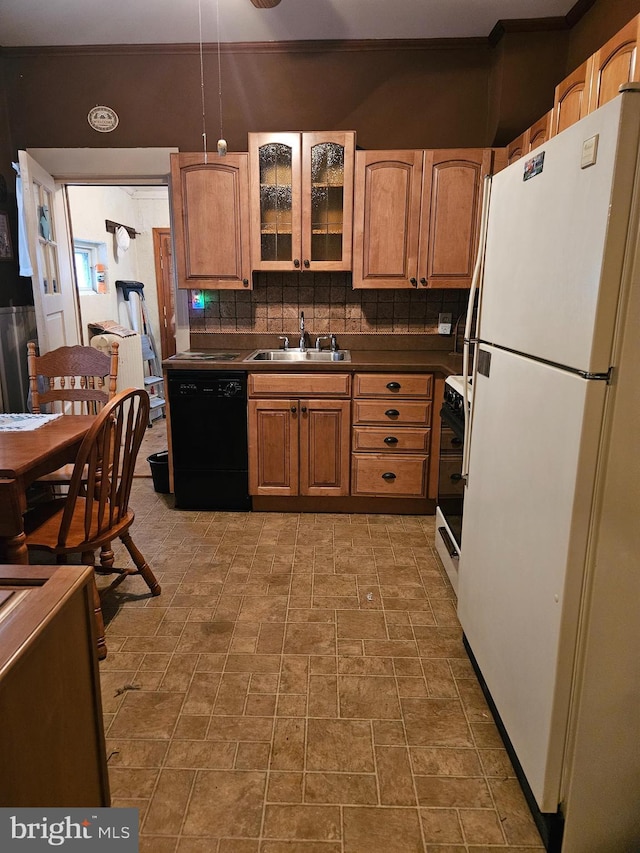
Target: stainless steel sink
{"x": 309, "y": 355}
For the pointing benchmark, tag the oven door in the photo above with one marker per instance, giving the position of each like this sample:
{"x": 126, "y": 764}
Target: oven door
{"x": 450, "y": 492}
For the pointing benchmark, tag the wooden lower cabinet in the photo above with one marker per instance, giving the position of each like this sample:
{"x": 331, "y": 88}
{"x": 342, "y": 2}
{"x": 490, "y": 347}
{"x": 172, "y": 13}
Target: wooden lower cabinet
{"x": 391, "y": 438}
{"x": 51, "y": 738}
{"x": 299, "y": 446}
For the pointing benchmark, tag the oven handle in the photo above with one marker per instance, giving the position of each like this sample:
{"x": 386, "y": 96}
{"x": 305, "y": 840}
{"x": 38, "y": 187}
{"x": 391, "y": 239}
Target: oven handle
{"x": 451, "y": 548}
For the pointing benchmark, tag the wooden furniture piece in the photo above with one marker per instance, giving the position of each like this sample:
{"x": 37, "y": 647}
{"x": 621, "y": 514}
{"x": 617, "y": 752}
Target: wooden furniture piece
{"x": 24, "y": 457}
{"x": 301, "y": 189}
{"x": 96, "y": 510}
{"x": 614, "y": 64}
{"x": 416, "y": 217}
{"x": 299, "y": 428}
{"x": 211, "y": 205}
{"x": 51, "y": 738}
{"x": 392, "y": 420}
{"x": 588, "y": 87}
{"x": 79, "y": 380}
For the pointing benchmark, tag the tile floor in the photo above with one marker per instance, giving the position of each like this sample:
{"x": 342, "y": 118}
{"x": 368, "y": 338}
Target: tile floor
{"x": 300, "y": 686}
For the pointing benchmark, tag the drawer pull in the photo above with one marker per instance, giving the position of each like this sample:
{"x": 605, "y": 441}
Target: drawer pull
{"x": 394, "y": 386}
{"x": 389, "y": 475}
{"x": 392, "y": 413}
{"x": 391, "y": 439}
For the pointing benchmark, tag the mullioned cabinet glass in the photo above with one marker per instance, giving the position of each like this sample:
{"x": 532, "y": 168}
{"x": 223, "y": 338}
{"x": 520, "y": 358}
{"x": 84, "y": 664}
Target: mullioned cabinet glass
{"x": 301, "y": 200}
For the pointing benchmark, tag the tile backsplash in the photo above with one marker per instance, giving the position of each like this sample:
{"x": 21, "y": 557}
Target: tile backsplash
{"x": 329, "y": 305}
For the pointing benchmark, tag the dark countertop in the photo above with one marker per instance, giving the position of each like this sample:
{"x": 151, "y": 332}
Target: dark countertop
{"x": 364, "y": 360}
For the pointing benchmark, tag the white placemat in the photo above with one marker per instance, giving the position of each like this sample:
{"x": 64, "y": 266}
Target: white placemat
{"x": 24, "y": 422}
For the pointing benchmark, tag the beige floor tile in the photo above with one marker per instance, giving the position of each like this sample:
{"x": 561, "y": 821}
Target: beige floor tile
{"x": 388, "y": 830}
{"x": 300, "y": 686}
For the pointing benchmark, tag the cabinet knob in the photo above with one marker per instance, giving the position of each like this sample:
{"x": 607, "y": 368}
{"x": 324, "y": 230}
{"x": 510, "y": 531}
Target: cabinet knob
{"x": 392, "y": 413}
{"x": 303, "y": 409}
{"x": 391, "y": 439}
{"x": 389, "y": 475}
{"x": 245, "y": 282}
{"x": 423, "y": 282}
{"x": 413, "y": 281}
{"x": 296, "y": 263}
{"x": 394, "y": 386}
{"x": 455, "y": 478}
{"x": 456, "y": 442}
{"x": 293, "y": 410}
{"x": 306, "y": 264}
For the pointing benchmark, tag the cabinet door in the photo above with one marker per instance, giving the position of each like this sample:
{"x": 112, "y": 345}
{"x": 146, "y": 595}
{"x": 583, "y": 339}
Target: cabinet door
{"x": 275, "y": 188}
{"x": 515, "y": 149}
{"x": 327, "y": 200}
{"x": 386, "y": 218}
{"x": 210, "y": 203}
{"x": 614, "y": 64}
{"x": 538, "y": 133}
{"x": 273, "y": 447}
{"x": 571, "y": 102}
{"x": 451, "y": 202}
{"x": 324, "y": 447}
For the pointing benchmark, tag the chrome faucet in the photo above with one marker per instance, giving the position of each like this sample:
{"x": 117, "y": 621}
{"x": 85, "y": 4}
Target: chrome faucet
{"x": 319, "y": 339}
{"x": 303, "y": 338}
{"x": 333, "y": 343}
{"x": 286, "y": 341}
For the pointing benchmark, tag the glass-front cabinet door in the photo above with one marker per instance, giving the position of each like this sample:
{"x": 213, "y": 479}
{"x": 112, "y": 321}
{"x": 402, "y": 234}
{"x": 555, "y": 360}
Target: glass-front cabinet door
{"x": 327, "y": 200}
{"x": 301, "y": 200}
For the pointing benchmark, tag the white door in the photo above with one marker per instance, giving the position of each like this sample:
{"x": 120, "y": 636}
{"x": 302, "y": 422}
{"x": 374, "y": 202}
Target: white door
{"x": 527, "y": 510}
{"x": 54, "y": 291}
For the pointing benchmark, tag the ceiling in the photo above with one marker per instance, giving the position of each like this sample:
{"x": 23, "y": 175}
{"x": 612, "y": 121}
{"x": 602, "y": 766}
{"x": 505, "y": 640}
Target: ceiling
{"x": 76, "y": 22}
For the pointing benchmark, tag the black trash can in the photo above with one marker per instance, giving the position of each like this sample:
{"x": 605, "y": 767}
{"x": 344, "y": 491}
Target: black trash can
{"x": 159, "y": 463}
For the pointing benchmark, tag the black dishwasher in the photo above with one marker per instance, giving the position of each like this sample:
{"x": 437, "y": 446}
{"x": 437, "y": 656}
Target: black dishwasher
{"x": 208, "y": 411}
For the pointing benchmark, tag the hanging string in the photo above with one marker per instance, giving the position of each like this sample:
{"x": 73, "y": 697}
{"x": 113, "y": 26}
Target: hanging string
{"x": 204, "y": 121}
{"x": 222, "y": 145}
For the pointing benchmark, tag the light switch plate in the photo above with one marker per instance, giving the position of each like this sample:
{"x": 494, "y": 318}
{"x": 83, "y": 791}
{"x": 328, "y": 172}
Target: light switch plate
{"x": 444, "y": 324}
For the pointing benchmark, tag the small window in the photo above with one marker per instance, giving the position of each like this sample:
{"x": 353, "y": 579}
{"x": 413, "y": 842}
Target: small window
{"x": 89, "y": 259}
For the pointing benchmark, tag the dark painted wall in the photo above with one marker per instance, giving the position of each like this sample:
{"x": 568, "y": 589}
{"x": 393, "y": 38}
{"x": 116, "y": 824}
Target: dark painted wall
{"x": 463, "y": 95}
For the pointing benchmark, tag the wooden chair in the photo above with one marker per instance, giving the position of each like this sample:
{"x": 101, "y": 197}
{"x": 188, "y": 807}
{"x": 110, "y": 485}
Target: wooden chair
{"x": 75, "y": 378}
{"x": 96, "y": 509}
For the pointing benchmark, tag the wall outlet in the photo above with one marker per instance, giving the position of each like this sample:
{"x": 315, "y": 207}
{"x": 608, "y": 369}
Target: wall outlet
{"x": 444, "y": 324}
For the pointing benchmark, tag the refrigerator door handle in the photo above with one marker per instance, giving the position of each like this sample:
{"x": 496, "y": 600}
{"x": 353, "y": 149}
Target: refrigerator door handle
{"x": 476, "y": 285}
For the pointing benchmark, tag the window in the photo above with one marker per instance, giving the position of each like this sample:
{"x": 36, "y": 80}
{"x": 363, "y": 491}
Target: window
{"x": 89, "y": 259}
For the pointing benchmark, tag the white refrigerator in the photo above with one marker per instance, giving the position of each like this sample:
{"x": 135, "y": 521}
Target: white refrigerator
{"x": 549, "y": 576}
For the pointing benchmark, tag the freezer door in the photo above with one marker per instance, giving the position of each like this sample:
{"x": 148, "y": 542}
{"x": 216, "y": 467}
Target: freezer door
{"x": 533, "y": 457}
{"x": 555, "y": 243}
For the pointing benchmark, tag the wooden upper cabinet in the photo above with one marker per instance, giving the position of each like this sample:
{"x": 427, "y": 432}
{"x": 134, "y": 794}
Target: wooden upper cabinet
{"x": 388, "y": 187}
{"x": 450, "y": 221}
{"x": 538, "y": 133}
{"x": 614, "y": 64}
{"x": 571, "y": 102}
{"x": 210, "y": 204}
{"x": 301, "y": 187}
{"x": 515, "y": 149}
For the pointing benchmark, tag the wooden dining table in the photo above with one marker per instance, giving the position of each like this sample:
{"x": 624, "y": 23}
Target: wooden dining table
{"x": 25, "y": 456}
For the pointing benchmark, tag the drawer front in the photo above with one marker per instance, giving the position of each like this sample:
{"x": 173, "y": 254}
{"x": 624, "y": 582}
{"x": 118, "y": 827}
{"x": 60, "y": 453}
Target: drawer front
{"x": 287, "y": 384}
{"x": 376, "y": 440}
{"x": 450, "y": 483}
{"x": 393, "y": 385}
{"x": 399, "y": 412}
{"x": 406, "y": 476}
{"x": 450, "y": 444}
